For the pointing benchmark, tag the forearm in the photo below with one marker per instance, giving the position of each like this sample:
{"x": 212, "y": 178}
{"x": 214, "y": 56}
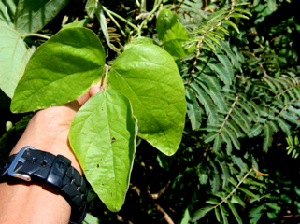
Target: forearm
{"x": 23, "y": 202}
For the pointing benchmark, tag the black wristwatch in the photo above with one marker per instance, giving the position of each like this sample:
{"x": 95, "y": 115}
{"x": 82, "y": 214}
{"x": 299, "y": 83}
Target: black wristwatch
{"x": 54, "y": 173}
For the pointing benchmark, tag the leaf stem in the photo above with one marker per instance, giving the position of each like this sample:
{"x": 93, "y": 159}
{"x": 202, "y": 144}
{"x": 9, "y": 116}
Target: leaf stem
{"x": 234, "y": 190}
{"x": 139, "y": 31}
{"x": 36, "y": 35}
{"x": 120, "y": 17}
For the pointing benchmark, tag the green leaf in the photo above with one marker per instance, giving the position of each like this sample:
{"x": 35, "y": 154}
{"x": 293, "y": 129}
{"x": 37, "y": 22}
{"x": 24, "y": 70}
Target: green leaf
{"x": 232, "y": 24}
{"x": 224, "y": 214}
{"x": 62, "y": 69}
{"x": 224, "y": 75}
{"x": 217, "y": 213}
{"x": 90, "y": 8}
{"x": 103, "y": 24}
{"x": 80, "y": 23}
{"x": 103, "y": 137}
{"x": 7, "y": 10}
{"x": 193, "y": 110}
{"x": 232, "y": 136}
{"x": 31, "y": 16}
{"x": 165, "y": 21}
{"x": 246, "y": 191}
{"x": 268, "y": 139}
{"x": 215, "y": 181}
{"x": 186, "y": 217}
{"x": 272, "y": 5}
{"x": 172, "y": 33}
{"x": 237, "y": 15}
{"x": 89, "y": 219}
{"x": 213, "y": 90}
{"x": 200, "y": 213}
{"x": 256, "y": 211}
{"x": 225, "y": 173}
{"x": 238, "y": 200}
{"x": 149, "y": 77}
{"x": 210, "y": 137}
{"x": 285, "y": 127}
{"x": 234, "y": 212}
{"x": 206, "y": 102}
{"x": 13, "y": 58}
{"x": 217, "y": 143}
{"x": 226, "y": 63}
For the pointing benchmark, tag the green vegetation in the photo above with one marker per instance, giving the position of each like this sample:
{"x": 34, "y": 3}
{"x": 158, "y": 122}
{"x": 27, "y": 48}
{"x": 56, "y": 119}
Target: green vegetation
{"x": 201, "y": 102}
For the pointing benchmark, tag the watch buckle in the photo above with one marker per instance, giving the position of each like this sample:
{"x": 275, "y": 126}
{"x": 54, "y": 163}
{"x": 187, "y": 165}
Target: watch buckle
{"x": 17, "y": 159}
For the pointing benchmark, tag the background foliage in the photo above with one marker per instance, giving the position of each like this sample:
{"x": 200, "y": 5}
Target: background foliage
{"x": 239, "y": 64}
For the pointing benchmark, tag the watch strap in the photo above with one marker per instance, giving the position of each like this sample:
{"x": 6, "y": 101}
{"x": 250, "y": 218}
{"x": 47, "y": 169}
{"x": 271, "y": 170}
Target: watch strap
{"x": 54, "y": 173}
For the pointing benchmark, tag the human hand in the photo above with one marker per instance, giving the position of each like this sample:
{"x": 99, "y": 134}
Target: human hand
{"x": 49, "y": 128}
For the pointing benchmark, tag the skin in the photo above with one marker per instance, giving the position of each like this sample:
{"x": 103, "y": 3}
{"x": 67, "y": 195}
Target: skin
{"x": 22, "y": 202}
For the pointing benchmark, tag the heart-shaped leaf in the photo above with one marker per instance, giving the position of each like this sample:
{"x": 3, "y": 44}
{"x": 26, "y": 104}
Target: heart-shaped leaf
{"x": 149, "y": 77}
{"x": 103, "y": 136}
{"x": 31, "y": 15}
{"x": 60, "y": 70}
{"x": 13, "y": 58}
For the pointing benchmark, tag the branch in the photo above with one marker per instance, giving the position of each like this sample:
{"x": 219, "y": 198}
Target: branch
{"x": 120, "y": 17}
{"x": 229, "y": 112}
{"x": 234, "y": 190}
{"x": 166, "y": 216}
{"x": 139, "y": 30}
{"x": 36, "y": 35}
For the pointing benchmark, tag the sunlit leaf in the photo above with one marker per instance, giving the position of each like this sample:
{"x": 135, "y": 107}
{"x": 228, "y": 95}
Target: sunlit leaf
{"x": 60, "y": 70}
{"x": 103, "y": 137}
{"x": 149, "y": 77}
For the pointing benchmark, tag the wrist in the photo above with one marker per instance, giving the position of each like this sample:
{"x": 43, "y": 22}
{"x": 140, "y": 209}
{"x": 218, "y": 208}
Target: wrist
{"x": 48, "y": 130}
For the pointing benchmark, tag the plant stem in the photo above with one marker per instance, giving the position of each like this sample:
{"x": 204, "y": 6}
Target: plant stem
{"x": 120, "y": 17}
{"x": 139, "y": 31}
{"x": 115, "y": 21}
{"x": 36, "y": 35}
{"x": 234, "y": 190}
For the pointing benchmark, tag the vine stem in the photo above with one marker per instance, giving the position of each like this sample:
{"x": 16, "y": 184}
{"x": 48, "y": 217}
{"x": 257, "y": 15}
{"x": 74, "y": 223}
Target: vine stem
{"x": 36, "y": 35}
{"x": 139, "y": 30}
{"x": 120, "y": 17}
{"x": 234, "y": 190}
{"x": 115, "y": 21}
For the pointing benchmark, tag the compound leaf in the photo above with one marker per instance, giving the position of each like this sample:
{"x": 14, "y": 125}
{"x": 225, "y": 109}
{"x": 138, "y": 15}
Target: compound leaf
{"x": 103, "y": 137}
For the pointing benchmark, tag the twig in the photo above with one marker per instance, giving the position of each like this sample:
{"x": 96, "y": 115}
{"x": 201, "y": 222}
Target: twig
{"x": 115, "y": 22}
{"x": 139, "y": 30}
{"x": 121, "y": 18}
{"x": 166, "y": 216}
{"x": 234, "y": 190}
{"x": 161, "y": 191}
{"x": 36, "y": 35}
